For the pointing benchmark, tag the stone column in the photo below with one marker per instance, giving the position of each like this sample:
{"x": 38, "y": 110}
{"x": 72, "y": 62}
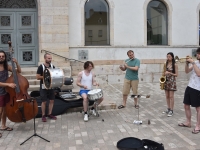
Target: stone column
{"x": 53, "y": 30}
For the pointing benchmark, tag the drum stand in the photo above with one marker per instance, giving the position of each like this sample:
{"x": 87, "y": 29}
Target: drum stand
{"x": 137, "y": 121}
{"x": 35, "y": 134}
{"x": 95, "y": 108}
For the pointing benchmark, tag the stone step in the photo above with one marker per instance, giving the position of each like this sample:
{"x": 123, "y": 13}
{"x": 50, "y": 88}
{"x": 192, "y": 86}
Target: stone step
{"x": 33, "y": 71}
{"x": 30, "y": 76}
{"x": 34, "y": 82}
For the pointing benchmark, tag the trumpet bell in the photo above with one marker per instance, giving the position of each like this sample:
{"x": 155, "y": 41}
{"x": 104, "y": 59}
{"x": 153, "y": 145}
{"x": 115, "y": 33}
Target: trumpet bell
{"x": 176, "y": 58}
{"x": 184, "y": 59}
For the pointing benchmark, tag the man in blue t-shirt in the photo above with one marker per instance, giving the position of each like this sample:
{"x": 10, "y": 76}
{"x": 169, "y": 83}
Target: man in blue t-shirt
{"x": 131, "y": 80}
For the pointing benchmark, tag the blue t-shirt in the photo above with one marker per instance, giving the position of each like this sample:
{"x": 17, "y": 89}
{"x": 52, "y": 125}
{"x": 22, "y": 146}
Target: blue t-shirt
{"x": 132, "y": 74}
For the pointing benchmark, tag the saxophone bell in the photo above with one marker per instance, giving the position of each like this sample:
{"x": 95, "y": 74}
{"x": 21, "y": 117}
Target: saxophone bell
{"x": 162, "y": 82}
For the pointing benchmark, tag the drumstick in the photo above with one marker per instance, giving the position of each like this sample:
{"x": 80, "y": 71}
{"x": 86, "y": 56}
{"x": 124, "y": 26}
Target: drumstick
{"x": 96, "y": 84}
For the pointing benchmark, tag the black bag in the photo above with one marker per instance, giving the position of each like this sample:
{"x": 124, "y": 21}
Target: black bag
{"x": 131, "y": 143}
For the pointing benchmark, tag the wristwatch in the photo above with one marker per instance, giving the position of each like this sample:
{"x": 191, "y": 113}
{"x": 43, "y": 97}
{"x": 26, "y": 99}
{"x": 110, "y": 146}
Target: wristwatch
{"x": 193, "y": 63}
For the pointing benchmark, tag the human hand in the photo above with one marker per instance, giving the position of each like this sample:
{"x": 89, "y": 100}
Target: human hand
{"x": 121, "y": 67}
{"x": 85, "y": 87}
{"x": 189, "y": 60}
{"x": 167, "y": 72}
{"x": 12, "y": 85}
{"x": 14, "y": 60}
{"x": 125, "y": 65}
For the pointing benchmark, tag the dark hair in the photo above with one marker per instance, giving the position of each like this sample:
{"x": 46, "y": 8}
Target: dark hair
{"x": 46, "y": 54}
{"x": 5, "y": 64}
{"x": 87, "y": 63}
{"x": 173, "y": 62}
{"x": 198, "y": 50}
{"x": 129, "y": 51}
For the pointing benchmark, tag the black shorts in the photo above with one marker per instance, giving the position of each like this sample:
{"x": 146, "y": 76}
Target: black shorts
{"x": 192, "y": 97}
{"x": 47, "y": 94}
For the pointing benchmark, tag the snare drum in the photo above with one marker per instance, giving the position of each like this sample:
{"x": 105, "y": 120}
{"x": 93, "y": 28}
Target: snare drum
{"x": 95, "y": 94}
{"x": 53, "y": 78}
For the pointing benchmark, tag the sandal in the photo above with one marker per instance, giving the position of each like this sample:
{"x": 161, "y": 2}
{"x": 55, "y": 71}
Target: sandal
{"x": 121, "y": 106}
{"x": 7, "y": 129}
{"x": 183, "y": 125}
{"x": 136, "y": 106}
{"x": 195, "y": 131}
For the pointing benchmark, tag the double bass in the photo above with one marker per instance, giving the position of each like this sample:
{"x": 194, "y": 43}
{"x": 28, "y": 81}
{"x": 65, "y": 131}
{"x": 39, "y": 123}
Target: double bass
{"x": 21, "y": 106}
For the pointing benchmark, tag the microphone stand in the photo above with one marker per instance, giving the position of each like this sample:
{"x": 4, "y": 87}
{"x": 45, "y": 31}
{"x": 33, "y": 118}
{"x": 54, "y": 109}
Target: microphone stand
{"x": 35, "y": 134}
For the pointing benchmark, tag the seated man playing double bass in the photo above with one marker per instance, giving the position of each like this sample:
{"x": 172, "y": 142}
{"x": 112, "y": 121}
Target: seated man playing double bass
{"x": 85, "y": 80}
{"x": 4, "y": 96}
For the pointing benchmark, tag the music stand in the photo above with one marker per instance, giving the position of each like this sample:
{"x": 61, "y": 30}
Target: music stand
{"x": 35, "y": 134}
{"x": 137, "y": 121}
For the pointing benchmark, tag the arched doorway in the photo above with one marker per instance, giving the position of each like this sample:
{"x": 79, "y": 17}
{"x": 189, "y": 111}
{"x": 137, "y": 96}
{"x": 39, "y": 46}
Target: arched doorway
{"x": 18, "y": 23}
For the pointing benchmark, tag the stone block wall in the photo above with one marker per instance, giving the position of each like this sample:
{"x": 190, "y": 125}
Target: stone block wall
{"x": 108, "y": 71}
{"x": 53, "y": 29}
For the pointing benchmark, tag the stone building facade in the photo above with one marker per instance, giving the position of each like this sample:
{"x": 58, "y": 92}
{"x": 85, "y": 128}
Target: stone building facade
{"x": 151, "y": 28}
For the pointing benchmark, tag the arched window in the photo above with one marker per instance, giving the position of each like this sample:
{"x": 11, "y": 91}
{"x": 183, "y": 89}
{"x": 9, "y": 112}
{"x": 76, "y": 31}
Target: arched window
{"x": 157, "y": 23}
{"x": 97, "y": 23}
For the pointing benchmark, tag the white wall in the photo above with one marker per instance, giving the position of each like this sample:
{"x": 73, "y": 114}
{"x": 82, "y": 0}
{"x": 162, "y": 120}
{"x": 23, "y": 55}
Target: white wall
{"x": 184, "y": 22}
{"x": 129, "y": 30}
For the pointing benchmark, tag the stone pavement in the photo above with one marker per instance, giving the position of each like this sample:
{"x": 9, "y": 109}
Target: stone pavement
{"x": 70, "y": 132}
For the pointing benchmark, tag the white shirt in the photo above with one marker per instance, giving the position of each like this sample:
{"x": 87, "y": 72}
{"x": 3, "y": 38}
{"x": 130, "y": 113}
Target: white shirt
{"x": 86, "y": 80}
{"x": 194, "y": 81}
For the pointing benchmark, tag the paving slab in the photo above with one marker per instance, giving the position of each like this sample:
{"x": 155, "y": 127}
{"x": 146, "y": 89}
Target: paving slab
{"x": 70, "y": 132}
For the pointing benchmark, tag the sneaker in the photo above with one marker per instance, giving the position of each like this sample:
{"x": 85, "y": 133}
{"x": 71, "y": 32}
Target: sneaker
{"x": 166, "y": 111}
{"x": 44, "y": 119}
{"x": 86, "y": 117}
{"x": 52, "y": 117}
{"x": 170, "y": 113}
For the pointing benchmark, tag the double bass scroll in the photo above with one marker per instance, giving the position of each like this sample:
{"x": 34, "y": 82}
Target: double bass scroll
{"x": 19, "y": 111}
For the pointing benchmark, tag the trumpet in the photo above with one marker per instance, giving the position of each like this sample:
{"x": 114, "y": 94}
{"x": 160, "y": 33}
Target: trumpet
{"x": 183, "y": 59}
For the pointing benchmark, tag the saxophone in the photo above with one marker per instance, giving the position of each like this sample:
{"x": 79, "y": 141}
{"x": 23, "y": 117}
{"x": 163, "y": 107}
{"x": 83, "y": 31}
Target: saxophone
{"x": 163, "y": 78}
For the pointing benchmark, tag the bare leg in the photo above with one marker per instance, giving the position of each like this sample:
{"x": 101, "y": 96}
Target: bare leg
{"x": 171, "y": 98}
{"x": 198, "y": 119}
{"x": 51, "y": 103}
{"x": 1, "y": 110}
{"x": 188, "y": 115}
{"x": 167, "y": 98}
{"x": 43, "y": 105}
{"x": 3, "y": 118}
{"x": 124, "y": 100}
{"x": 85, "y": 102}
